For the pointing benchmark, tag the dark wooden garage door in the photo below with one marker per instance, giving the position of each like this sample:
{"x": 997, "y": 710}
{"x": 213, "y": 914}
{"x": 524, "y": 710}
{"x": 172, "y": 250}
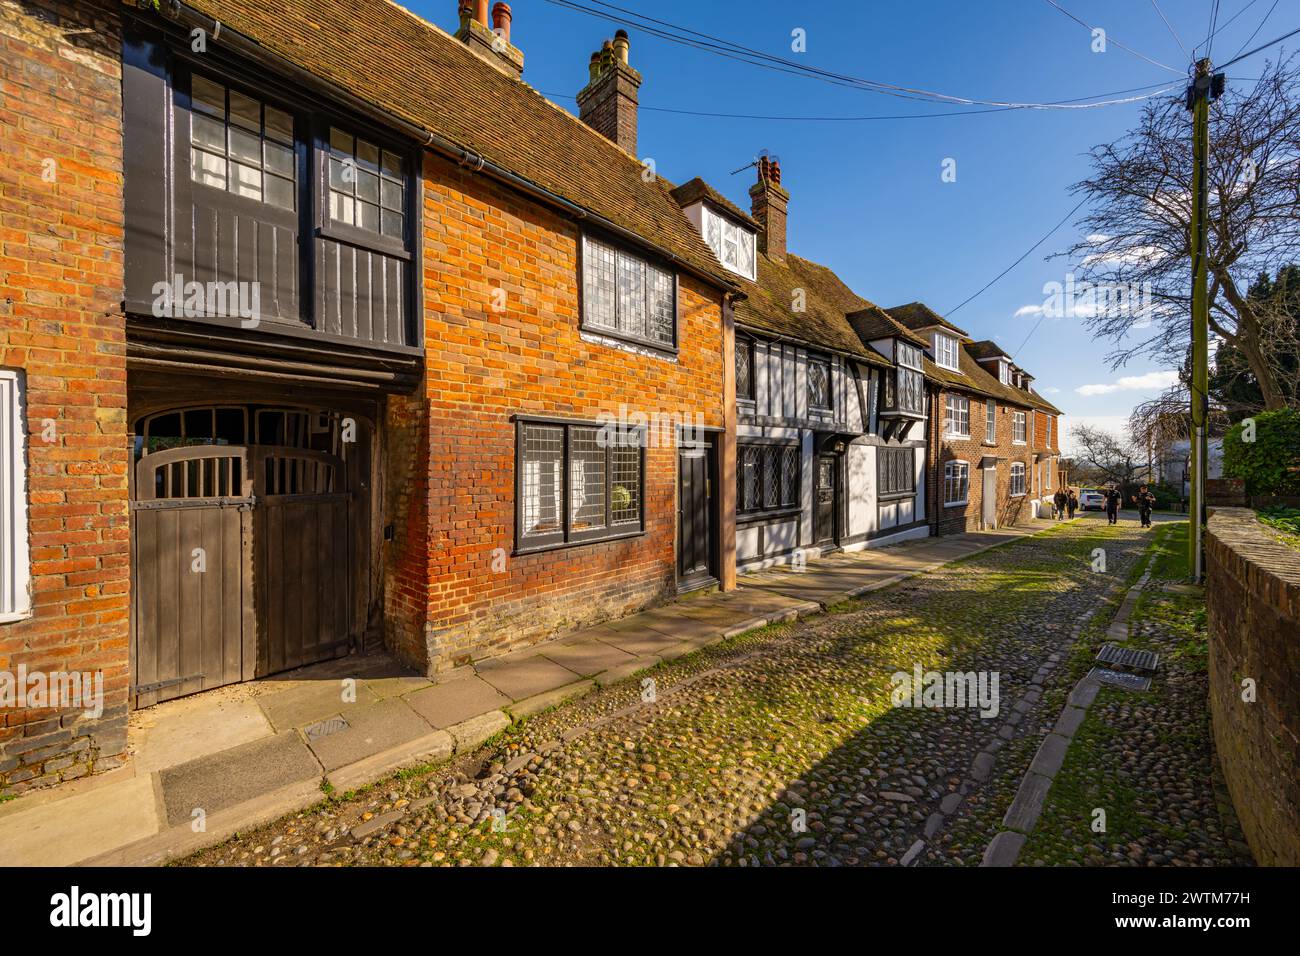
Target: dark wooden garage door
{"x": 241, "y": 564}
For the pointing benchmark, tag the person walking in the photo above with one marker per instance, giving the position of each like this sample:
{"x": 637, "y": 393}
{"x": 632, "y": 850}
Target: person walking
{"x": 1145, "y": 501}
{"x": 1113, "y": 498}
{"x": 1059, "y": 501}
{"x": 1072, "y": 504}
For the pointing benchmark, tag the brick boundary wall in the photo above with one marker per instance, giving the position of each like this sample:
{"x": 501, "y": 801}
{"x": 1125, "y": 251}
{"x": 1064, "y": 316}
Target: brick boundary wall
{"x": 61, "y": 326}
{"x": 1253, "y": 597}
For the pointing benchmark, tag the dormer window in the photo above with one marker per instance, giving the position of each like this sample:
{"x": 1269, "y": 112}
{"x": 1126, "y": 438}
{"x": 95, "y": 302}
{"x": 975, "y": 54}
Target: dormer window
{"x": 945, "y": 351}
{"x": 732, "y": 243}
{"x": 1004, "y": 373}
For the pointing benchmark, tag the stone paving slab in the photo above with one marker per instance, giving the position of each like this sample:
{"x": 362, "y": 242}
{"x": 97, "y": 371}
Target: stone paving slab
{"x": 68, "y": 831}
{"x": 456, "y": 700}
{"x": 222, "y": 780}
{"x": 527, "y": 677}
{"x": 588, "y": 657}
{"x": 379, "y": 727}
{"x": 642, "y": 642}
{"x": 310, "y": 702}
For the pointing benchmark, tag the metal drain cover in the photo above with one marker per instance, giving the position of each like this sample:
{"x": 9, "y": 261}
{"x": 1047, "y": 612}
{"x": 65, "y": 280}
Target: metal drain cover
{"x": 1129, "y": 658}
{"x": 1120, "y": 679}
{"x": 330, "y": 725}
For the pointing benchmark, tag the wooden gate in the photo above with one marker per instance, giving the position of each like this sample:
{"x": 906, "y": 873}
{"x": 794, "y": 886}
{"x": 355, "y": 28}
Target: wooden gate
{"x": 241, "y": 565}
{"x": 301, "y": 568}
{"x": 191, "y": 524}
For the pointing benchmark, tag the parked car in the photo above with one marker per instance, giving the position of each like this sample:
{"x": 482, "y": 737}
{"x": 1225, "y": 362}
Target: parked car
{"x": 1091, "y": 498}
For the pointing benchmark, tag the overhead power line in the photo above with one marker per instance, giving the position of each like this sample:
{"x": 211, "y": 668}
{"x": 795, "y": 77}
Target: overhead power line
{"x": 1163, "y": 88}
{"x": 1111, "y": 39}
{"x": 1172, "y": 31}
{"x": 1258, "y": 49}
{"x": 1224, "y": 25}
{"x": 1022, "y": 258}
{"x": 694, "y": 38}
{"x": 1251, "y": 39}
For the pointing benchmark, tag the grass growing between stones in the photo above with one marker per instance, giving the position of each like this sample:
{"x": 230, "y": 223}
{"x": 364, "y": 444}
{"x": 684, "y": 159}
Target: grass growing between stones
{"x": 1136, "y": 786}
{"x": 788, "y": 723}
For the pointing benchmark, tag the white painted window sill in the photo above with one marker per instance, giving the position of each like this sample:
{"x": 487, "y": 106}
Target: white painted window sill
{"x": 14, "y": 616}
{"x": 956, "y": 504}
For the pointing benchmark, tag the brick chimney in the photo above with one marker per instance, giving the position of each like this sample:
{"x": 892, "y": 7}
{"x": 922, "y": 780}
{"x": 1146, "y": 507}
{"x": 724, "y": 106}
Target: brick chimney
{"x": 492, "y": 43}
{"x": 767, "y": 204}
{"x": 608, "y": 102}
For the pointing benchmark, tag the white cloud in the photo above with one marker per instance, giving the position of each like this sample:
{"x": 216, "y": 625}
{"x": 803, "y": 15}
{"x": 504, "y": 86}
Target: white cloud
{"x": 1052, "y": 390}
{"x": 1029, "y": 310}
{"x": 1116, "y": 424}
{"x": 1132, "y": 383}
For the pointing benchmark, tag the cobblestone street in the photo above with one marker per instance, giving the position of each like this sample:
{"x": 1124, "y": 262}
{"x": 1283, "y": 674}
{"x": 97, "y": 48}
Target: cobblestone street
{"x": 780, "y": 746}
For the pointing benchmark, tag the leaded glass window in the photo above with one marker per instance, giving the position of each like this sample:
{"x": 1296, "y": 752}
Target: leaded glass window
{"x": 767, "y": 477}
{"x": 819, "y": 383}
{"x": 624, "y": 294}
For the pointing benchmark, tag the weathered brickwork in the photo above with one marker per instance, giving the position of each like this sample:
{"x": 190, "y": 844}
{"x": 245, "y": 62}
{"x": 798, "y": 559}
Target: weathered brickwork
{"x": 61, "y": 325}
{"x": 1011, "y": 509}
{"x": 1253, "y": 597}
{"x": 485, "y": 366}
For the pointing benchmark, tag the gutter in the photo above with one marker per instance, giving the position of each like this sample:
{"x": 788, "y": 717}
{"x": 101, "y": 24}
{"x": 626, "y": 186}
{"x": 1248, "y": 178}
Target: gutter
{"x": 188, "y": 17}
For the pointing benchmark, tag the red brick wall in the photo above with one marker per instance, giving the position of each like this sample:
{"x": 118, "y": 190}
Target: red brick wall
{"x": 1010, "y": 510}
{"x": 61, "y": 325}
{"x": 484, "y": 366}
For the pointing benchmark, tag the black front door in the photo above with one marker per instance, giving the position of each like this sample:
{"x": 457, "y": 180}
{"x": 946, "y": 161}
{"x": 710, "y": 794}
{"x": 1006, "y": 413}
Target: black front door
{"x": 695, "y": 517}
{"x": 824, "y": 505}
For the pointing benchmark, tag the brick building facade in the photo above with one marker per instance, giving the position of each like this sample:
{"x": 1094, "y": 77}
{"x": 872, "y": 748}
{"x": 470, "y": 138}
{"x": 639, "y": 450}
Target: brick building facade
{"x": 62, "y": 341}
{"x": 992, "y": 439}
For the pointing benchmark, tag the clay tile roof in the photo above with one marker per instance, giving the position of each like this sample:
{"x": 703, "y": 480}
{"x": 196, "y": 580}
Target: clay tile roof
{"x": 973, "y": 377}
{"x": 876, "y": 323}
{"x": 823, "y": 322}
{"x": 383, "y": 54}
{"x": 918, "y": 315}
{"x": 986, "y": 350}
{"x": 696, "y": 189}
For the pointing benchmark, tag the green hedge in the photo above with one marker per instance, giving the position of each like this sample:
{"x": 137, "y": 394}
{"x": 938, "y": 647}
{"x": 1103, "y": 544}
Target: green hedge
{"x": 1270, "y": 465}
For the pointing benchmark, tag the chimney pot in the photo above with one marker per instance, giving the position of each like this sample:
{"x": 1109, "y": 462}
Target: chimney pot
{"x": 481, "y": 11}
{"x": 768, "y": 202}
{"x": 501, "y": 18}
{"x": 608, "y": 103}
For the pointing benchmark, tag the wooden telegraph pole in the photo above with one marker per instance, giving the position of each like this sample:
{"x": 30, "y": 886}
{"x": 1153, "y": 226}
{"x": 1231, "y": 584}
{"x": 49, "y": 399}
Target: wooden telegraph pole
{"x": 1205, "y": 86}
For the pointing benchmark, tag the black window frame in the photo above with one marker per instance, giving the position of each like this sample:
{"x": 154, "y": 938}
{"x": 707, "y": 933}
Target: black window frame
{"x": 812, "y": 359}
{"x": 162, "y": 62}
{"x": 648, "y": 258}
{"x": 321, "y": 123}
{"x": 566, "y": 537}
{"x": 885, "y": 469}
{"x": 778, "y": 448}
{"x": 750, "y": 391}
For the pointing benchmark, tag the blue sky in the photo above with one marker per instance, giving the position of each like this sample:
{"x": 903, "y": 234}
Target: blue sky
{"x": 867, "y": 198}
